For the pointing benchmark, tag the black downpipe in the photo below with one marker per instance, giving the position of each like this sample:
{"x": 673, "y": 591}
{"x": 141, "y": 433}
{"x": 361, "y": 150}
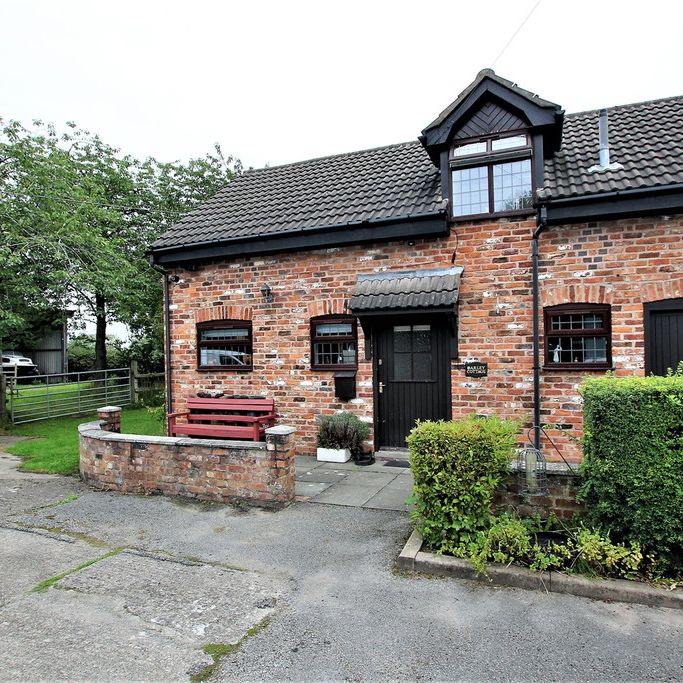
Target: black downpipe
{"x": 541, "y": 225}
{"x": 167, "y": 340}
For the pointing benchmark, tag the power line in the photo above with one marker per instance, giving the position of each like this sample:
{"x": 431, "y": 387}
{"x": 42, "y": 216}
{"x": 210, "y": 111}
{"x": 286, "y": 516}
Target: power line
{"x": 514, "y": 35}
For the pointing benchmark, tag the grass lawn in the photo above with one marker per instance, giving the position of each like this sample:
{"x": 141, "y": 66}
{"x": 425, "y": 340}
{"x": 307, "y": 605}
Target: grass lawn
{"x": 57, "y": 451}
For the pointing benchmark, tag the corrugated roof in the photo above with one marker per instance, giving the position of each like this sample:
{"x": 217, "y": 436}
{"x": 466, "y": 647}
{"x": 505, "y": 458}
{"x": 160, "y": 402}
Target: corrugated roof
{"x": 381, "y": 184}
{"x": 645, "y": 138}
{"x": 429, "y": 288}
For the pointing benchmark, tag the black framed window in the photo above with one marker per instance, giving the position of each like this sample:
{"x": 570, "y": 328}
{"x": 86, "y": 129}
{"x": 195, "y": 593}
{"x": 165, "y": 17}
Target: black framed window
{"x": 224, "y": 345}
{"x": 578, "y": 337}
{"x": 491, "y": 176}
{"x": 412, "y": 353}
{"x": 334, "y": 343}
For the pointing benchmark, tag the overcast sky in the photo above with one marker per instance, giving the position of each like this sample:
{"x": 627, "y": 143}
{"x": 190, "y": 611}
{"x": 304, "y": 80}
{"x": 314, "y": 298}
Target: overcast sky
{"x": 275, "y": 82}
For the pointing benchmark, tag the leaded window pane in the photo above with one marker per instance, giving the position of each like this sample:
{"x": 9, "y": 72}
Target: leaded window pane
{"x": 333, "y": 329}
{"x": 223, "y": 334}
{"x": 470, "y": 148}
{"x": 508, "y": 143}
{"x": 512, "y": 185}
{"x": 470, "y": 191}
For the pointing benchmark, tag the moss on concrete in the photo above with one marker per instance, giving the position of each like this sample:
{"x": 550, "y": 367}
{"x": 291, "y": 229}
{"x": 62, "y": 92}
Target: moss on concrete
{"x": 219, "y": 650}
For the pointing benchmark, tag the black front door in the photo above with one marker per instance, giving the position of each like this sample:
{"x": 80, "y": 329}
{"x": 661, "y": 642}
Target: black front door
{"x": 663, "y": 336}
{"x": 412, "y": 377}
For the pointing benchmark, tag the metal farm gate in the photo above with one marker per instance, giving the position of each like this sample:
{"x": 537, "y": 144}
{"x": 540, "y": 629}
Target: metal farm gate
{"x": 42, "y": 397}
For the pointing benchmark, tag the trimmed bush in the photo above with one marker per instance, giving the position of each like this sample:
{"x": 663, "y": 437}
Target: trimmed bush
{"x": 342, "y": 430}
{"x": 457, "y": 467}
{"x": 633, "y": 463}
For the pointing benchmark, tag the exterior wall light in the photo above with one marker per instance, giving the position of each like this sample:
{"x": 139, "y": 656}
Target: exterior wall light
{"x": 267, "y": 293}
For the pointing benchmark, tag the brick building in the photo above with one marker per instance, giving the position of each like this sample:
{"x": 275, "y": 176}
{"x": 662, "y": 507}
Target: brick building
{"x": 487, "y": 267}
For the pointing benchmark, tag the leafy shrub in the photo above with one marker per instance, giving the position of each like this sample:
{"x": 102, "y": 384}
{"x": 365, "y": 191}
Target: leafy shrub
{"x": 457, "y": 467}
{"x": 342, "y": 430}
{"x": 633, "y": 463}
{"x": 584, "y": 550}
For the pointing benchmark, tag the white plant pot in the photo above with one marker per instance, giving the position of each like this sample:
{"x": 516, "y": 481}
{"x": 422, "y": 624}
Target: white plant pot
{"x": 334, "y": 454}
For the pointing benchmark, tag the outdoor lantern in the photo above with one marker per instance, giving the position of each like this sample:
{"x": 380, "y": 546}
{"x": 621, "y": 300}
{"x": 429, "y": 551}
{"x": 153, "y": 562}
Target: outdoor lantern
{"x": 531, "y": 471}
{"x": 267, "y": 293}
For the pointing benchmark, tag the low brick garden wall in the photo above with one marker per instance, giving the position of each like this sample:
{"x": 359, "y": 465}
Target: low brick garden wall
{"x": 559, "y": 499}
{"x": 256, "y": 473}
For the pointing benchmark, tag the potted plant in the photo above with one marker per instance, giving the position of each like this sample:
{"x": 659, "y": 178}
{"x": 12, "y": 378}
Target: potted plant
{"x": 340, "y": 436}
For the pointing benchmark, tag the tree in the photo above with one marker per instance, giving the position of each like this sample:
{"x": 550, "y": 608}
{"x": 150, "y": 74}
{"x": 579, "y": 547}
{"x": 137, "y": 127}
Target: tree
{"x": 76, "y": 220}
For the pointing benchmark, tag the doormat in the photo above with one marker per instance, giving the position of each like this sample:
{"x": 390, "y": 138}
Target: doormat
{"x": 397, "y": 463}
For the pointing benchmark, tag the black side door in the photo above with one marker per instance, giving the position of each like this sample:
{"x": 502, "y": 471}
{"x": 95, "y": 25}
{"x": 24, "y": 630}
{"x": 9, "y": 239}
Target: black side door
{"x": 663, "y": 336}
{"x": 412, "y": 377}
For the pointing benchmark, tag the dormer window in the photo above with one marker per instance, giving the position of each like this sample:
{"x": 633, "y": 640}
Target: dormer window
{"x": 491, "y": 176}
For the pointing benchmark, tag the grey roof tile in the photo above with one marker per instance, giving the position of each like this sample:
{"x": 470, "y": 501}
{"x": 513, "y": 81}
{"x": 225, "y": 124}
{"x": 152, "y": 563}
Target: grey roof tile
{"x": 385, "y": 183}
{"x": 645, "y": 138}
{"x": 429, "y": 288}
{"x": 397, "y": 182}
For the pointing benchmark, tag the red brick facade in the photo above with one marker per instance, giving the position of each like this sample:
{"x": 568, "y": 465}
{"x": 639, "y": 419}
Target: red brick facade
{"x": 623, "y": 263}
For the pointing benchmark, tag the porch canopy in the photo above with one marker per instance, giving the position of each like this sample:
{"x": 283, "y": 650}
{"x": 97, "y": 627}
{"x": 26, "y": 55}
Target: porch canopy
{"x": 433, "y": 290}
{"x": 429, "y": 294}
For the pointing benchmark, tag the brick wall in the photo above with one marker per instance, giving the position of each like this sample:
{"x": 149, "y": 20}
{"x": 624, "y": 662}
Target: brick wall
{"x": 259, "y": 474}
{"x": 624, "y": 263}
{"x": 559, "y": 499}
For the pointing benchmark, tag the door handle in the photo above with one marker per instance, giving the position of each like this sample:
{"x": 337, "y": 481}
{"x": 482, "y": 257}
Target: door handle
{"x": 380, "y": 387}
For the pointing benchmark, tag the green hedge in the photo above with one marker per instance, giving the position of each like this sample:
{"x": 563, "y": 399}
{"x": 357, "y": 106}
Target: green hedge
{"x": 633, "y": 463}
{"x": 457, "y": 467}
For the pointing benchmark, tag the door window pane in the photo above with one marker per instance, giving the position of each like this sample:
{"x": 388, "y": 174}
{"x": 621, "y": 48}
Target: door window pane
{"x": 422, "y": 366}
{"x": 402, "y": 338}
{"x": 402, "y": 366}
{"x": 412, "y": 352}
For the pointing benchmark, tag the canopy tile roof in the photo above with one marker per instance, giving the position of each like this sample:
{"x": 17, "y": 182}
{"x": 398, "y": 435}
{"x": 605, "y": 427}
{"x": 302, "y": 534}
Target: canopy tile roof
{"x": 429, "y": 288}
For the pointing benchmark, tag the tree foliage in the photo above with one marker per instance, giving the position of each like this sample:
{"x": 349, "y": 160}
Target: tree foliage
{"x": 76, "y": 220}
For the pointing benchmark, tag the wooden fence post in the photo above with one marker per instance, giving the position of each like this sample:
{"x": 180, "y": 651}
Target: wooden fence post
{"x": 134, "y": 386}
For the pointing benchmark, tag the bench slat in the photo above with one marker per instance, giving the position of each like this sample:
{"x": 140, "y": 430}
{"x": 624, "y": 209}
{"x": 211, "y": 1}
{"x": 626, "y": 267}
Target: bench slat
{"x": 232, "y": 403}
{"x": 229, "y": 418}
{"x": 215, "y": 430}
{"x": 226, "y": 411}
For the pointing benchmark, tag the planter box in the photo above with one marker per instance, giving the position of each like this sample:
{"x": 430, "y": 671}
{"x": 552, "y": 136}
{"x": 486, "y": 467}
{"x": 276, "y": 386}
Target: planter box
{"x": 334, "y": 454}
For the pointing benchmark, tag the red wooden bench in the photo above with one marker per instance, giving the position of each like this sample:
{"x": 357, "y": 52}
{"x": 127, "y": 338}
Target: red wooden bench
{"x": 225, "y": 418}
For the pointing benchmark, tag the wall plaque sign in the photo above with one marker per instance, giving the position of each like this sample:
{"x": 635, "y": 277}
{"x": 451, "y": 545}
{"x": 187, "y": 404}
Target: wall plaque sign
{"x": 476, "y": 369}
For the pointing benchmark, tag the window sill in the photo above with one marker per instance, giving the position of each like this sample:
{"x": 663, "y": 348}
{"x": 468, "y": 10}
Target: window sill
{"x": 223, "y": 368}
{"x": 333, "y": 368}
{"x": 578, "y": 367}
{"x": 521, "y": 213}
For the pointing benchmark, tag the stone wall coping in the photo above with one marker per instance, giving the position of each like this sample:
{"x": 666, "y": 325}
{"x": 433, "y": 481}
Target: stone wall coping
{"x": 280, "y": 430}
{"x": 109, "y": 409}
{"x": 93, "y": 431}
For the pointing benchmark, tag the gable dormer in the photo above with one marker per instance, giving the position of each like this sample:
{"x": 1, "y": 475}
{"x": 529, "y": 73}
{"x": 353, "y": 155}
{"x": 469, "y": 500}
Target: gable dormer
{"x": 490, "y": 145}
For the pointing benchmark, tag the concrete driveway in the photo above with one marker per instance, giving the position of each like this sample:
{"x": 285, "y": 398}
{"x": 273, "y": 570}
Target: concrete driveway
{"x": 309, "y": 593}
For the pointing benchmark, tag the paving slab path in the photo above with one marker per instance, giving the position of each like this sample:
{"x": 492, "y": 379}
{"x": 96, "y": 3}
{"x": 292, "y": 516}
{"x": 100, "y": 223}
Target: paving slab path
{"x": 135, "y": 588}
{"x": 380, "y": 486}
